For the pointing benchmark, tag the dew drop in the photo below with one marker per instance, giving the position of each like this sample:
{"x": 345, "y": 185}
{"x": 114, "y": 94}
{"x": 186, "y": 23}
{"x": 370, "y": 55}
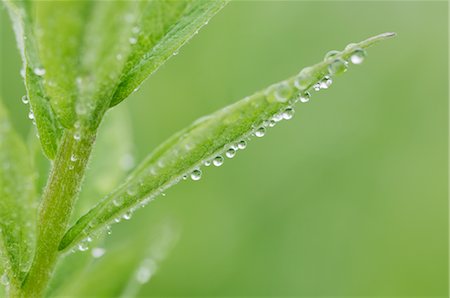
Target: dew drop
{"x": 316, "y": 86}
{"x": 127, "y": 216}
{"x": 132, "y": 40}
{"x": 326, "y": 82}
{"x": 288, "y": 113}
{"x": 77, "y": 136}
{"x": 196, "y": 175}
{"x": 31, "y": 115}
{"x": 73, "y": 158}
{"x": 277, "y": 117}
{"x": 243, "y": 144}
{"x": 218, "y": 161}
{"x": 98, "y": 252}
{"x": 39, "y": 71}
{"x": 305, "y": 97}
{"x": 82, "y": 247}
{"x": 108, "y": 230}
{"x": 131, "y": 191}
{"x": 116, "y": 203}
{"x": 184, "y": 177}
{"x": 4, "y": 280}
{"x": 330, "y": 54}
{"x": 272, "y": 123}
{"x": 260, "y": 132}
{"x": 283, "y": 92}
{"x": 25, "y": 99}
{"x": 303, "y": 79}
{"x": 135, "y": 29}
{"x": 338, "y": 66}
{"x": 230, "y": 153}
{"x": 207, "y": 163}
{"x": 357, "y": 57}
{"x": 175, "y": 53}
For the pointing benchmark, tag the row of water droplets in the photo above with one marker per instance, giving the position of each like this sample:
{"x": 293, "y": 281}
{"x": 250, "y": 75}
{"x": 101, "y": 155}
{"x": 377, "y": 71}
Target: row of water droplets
{"x": 281, "y": 92}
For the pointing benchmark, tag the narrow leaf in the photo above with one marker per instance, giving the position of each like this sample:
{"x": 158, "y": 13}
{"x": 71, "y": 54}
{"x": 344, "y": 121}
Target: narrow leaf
{"x": 46, "y": 123}
{"x": 17, "y": 201}
{"x": 206, "y": 139}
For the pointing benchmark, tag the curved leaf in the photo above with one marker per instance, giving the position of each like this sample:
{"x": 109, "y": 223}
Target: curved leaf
{"x": 17, "y": 201}
{"x": 210, "y": 136}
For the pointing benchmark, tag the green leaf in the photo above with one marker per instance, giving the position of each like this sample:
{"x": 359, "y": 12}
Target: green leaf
{"x": 17, "y": 201}
{"x": 122, "y": 270}
{"x": 209, "y": 137}
{"x": 112, "y": 158}
{"x": 90, "y": 55}
{"x": 48, "y": 127}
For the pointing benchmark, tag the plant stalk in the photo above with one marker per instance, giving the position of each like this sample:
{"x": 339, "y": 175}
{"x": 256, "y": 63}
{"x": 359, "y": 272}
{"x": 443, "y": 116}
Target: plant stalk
{"x": 56, "y": 207}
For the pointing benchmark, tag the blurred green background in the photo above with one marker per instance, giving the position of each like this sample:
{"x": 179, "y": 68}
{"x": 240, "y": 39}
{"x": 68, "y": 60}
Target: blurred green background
{"x": 347, "y": 199}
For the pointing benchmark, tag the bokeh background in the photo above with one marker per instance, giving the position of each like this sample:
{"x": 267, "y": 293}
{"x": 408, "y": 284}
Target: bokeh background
{"x": 347, "y": 199}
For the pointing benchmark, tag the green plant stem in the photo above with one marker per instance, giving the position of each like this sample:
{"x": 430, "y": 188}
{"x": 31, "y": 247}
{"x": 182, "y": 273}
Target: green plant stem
{"x": 56, "y": 207}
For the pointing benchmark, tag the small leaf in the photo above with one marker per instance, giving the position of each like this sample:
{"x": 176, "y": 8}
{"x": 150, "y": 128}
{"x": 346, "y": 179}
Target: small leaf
{"x": 17, "y": 201}
{"x": 122, "y": 270}
{"x": 112, "y": 158}
{"x": 224, "y": 131}
{"x": 48, "y": 127}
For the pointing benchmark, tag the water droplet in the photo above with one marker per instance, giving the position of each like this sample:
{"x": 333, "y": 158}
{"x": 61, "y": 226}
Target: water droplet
{"x": 196, "y": 175}
{"x": 73, "y": 158}
{"x": 357, "y": 57}
{"x": 4, "y": 280}
{"x": 305, "y": 97}
{"x": 230, "y": 153}
{"x": 25, "y": 99}
{"x": 132, "y": 40}
{"x": 175, "y": 53}
{"x": 184, "y": 177}
{"x": 326, "y": 82}
{"x": 82, "y": 246}
{"x": 338, "y": 66}
{"x": 31, "y": 115}
{"x": 316, "y": 86}
{"x": 283, "y": 92}
{"x": 108, "y": 230}
{"x": 207, "y": 163}
{"x": 97, "y": 252}
{"x": 243, "y": 144}
{"x": 330, "y": 54}
{"x": 77, "y": 136}
{"x": 131, "y": 191}
{"x": 272, "y": 123}
{"x": 117, "y": 219}
{"x": 39, "y": 71}
{"x": 135, "y": 29}
{"x": 127, "y": 216}
{"x": 218, "y": 161}
{"x": 22, "y": 73}
{"x": 288, "y": 113}
{"x": 277, "y": 117}
{"x": 260, "y": 132}
{"x": 116, "y": 203}
{"x": 303, "y": 79}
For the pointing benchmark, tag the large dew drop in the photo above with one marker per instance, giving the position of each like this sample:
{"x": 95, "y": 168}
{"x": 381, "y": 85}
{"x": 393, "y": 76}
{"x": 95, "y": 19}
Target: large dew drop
{"x": 357, "y": 57}
{"x": 25, "y": 99}
{"x": 338, "y": 66}
{"x": 196, "y": 175}
{"x": 288, "y": 113}
{"x": 260, "y": 132}
{"x": 230, "y": 153}
{"x": 218, "y": 161}
{"x": 305, "y": 97}
{"x": 242, "y": 144}
{"x": 283, "y": 92}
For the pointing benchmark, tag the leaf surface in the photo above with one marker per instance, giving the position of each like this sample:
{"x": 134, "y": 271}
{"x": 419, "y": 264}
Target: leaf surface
{"x": 211, "y": 137}
{"x": 17, "y": 200}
